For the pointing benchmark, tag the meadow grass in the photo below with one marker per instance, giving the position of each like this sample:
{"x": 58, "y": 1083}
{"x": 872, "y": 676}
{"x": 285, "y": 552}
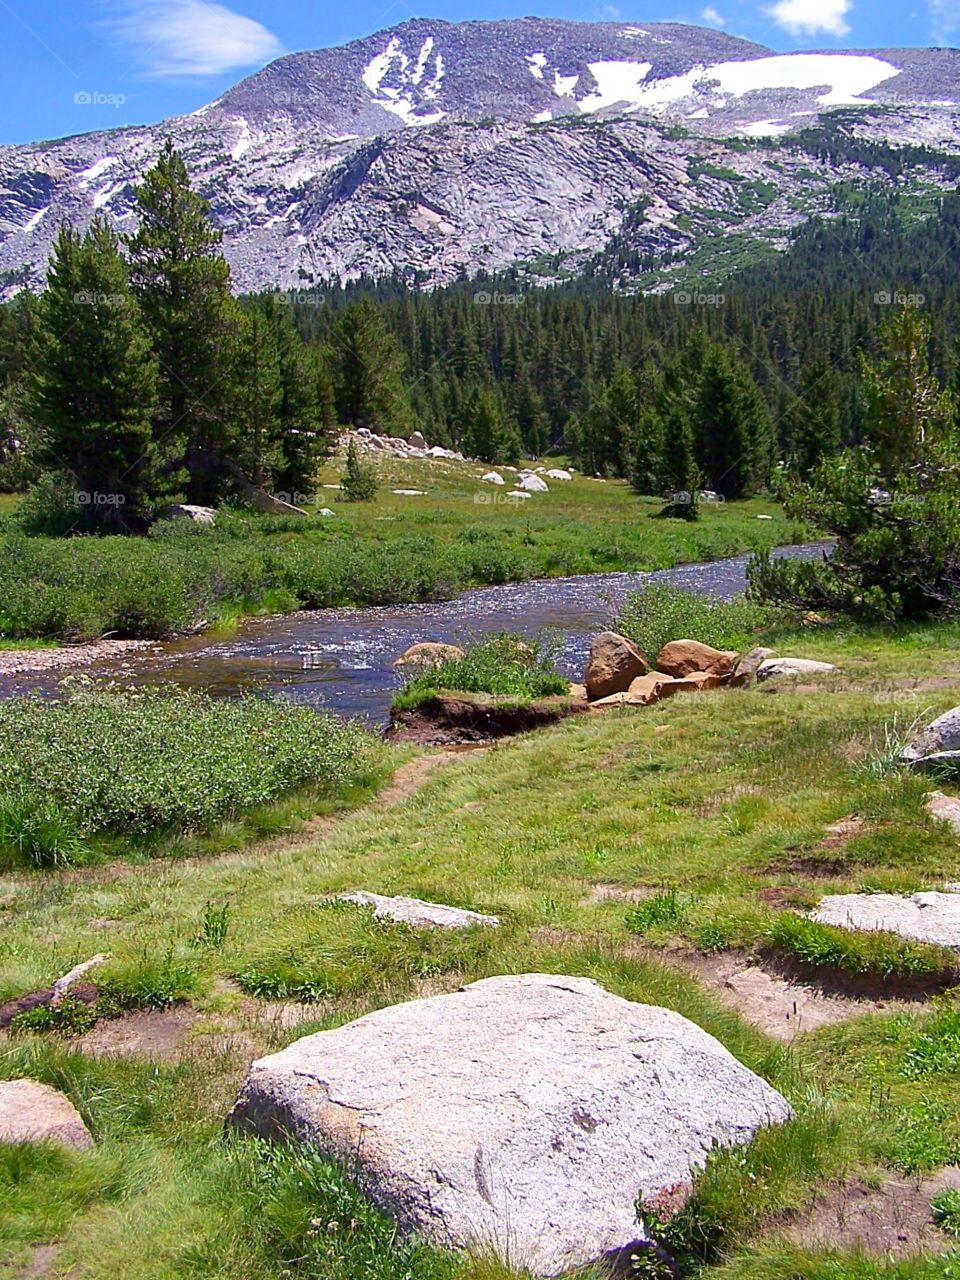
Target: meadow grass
{"x": 711, "y": 806}
{"x": 396, "y": 549}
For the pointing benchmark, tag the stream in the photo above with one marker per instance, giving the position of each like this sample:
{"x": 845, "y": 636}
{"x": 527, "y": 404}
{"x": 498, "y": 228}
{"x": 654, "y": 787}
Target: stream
{"x": 341, "y": 659}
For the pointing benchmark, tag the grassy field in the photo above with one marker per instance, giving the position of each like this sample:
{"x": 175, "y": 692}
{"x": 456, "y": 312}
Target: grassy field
{"x": 396, "y": 549}
{"x": 647, "y": 849}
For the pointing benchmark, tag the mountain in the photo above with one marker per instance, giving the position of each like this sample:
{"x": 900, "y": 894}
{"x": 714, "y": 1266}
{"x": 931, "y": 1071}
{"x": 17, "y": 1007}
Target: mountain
{"x": 438, "y": 149}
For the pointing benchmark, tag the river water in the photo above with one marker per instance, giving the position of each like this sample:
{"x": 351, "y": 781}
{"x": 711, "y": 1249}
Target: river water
{"x": 342, "y": 659}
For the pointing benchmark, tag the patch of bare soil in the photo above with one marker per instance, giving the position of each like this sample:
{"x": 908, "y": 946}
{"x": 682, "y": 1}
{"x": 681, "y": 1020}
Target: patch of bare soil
{"x": 82, "y": 991}
{"x": 784, "y": 1004}
{"x": 148, "y": 1033}
{"x": 14, "y": 661}
{"x": 826, "y": 858}
{"x": 894, "y": 1220}
{"x": 40, "y": 1263}
{"x": 448, "y": 719}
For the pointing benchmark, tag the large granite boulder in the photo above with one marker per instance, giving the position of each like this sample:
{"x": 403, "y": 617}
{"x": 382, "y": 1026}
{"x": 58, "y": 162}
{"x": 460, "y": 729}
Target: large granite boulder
{"x": 938, "y": 745}
{"x": 522, "y": 1114}
{"x": 682, "y": 658}
{"x": 34, "y": 1112}
{"x": 615, "y": 662}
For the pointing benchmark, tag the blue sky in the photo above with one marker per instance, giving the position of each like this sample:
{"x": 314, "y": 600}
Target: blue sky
{"x": 75, "y": 65}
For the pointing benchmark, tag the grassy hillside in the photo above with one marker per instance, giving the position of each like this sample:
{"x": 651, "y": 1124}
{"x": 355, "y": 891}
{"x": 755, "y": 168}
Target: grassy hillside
{"x": 655, "y": 850}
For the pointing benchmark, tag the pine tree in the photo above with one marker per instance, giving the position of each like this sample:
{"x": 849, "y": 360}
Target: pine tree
{"x": 733, "y": 433}
{"x": 93, "y": 383}
{"x": 681, "y": 475}
{"x": 907, "y": 411}
{"x": 815, "y": 419}
{"x": 359, "y": 481}
{"x": 370, "y": 379}
{"x": 257, "y": 419}
{"x": 183, "y": 284}
{"x": 487, "y": 434}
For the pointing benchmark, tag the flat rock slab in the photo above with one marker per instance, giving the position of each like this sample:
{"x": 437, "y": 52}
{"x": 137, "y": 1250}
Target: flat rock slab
{"x": 34, "y": 1112}
{"x": 921, "y": 917}
{"x": 522, "y": 1114}
{"x": 419, "y": 914}
{"x": 792, "y": 668}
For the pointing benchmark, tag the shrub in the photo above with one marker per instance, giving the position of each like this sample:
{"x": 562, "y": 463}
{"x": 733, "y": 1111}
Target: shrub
{"x": 946, "y": 1211}
{"x": 505, "y": 666}
{"x": 936, "y": 1049}
{"x": 659, "y": 613}
{"x": 156, "y": 760}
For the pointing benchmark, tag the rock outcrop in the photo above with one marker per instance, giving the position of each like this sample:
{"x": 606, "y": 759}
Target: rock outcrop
{"x": 682, "y": 658}
{"x": 615, "y": 662}
{"x": 523, "y": 1115}
{"x": 938, "y": 745}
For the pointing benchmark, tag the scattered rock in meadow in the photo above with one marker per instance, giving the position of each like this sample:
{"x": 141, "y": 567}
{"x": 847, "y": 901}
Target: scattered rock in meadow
{"x": 533, "y": 483}
{"x": 682, "y": 658}
{"x": 325, "y": 511}
{"x": 417, "y": 441}
{"x": 746, "y": 669}
{"x": 615, "y": 662}
{"x": 523, "y": 1115}
{"x": 937, "y": 745}
{"x": 792, "y": 668}
{"x": 696, "y": 682}
{"x": 34, "y": 1112}
{"x": 411, "y": 493}
{"x": 493, "y": 477}
{"x": 417, "y": 913}
{"x": 578, "y": 692}
{"x": 559, "y": 473}
{"x": 189, "y": 511}
{"x": 518, "y": 493}
{"x": 944, "y": 809}
{"x": 649, "y": 688}
{"x": 426, "y": 653}
{"x": 922, "y": 917}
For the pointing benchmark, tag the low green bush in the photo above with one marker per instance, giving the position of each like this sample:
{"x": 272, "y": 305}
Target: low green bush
{"x": 504, "y": 666}
{"x": 154, "y": 761}
{"x": 659, "y": 613}
{"x": 935, "y": 1050}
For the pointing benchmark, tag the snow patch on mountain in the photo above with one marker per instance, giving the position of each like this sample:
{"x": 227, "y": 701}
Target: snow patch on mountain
{"x": 845, "y": 77}
{"x": 87, "y": 177}
{"x": 401, "y": 86}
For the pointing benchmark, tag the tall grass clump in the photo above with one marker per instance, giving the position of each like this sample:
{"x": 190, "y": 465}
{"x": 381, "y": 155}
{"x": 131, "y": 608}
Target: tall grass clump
{"x": 153, "y": 761}
{"x": 504, "y": 666}
{"x": 659, "y": 613}
{"x": 861, "y": 954}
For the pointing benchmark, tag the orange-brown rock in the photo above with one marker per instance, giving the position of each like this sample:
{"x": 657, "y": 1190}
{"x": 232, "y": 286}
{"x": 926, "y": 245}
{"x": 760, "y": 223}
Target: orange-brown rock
{"x": 615, "y": 662}
{"x": 681, "y": 658}
{"x": 649, "y": 687}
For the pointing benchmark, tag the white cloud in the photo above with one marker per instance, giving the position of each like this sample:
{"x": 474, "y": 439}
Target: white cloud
{"x": 712, "y": 18}
{"x": 192, "y": 37}
{"x": 810, "y": 17}
{"x": 945, "y": 19}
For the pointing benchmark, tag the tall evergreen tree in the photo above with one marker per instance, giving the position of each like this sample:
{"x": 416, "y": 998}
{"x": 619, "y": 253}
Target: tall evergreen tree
{"x": 92, "y": 388}
{"x": 815, "y": 419}
{"x": 183, "y": 283}
{"x": 733, "y": 434}
{"x": 370, "y": 382}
